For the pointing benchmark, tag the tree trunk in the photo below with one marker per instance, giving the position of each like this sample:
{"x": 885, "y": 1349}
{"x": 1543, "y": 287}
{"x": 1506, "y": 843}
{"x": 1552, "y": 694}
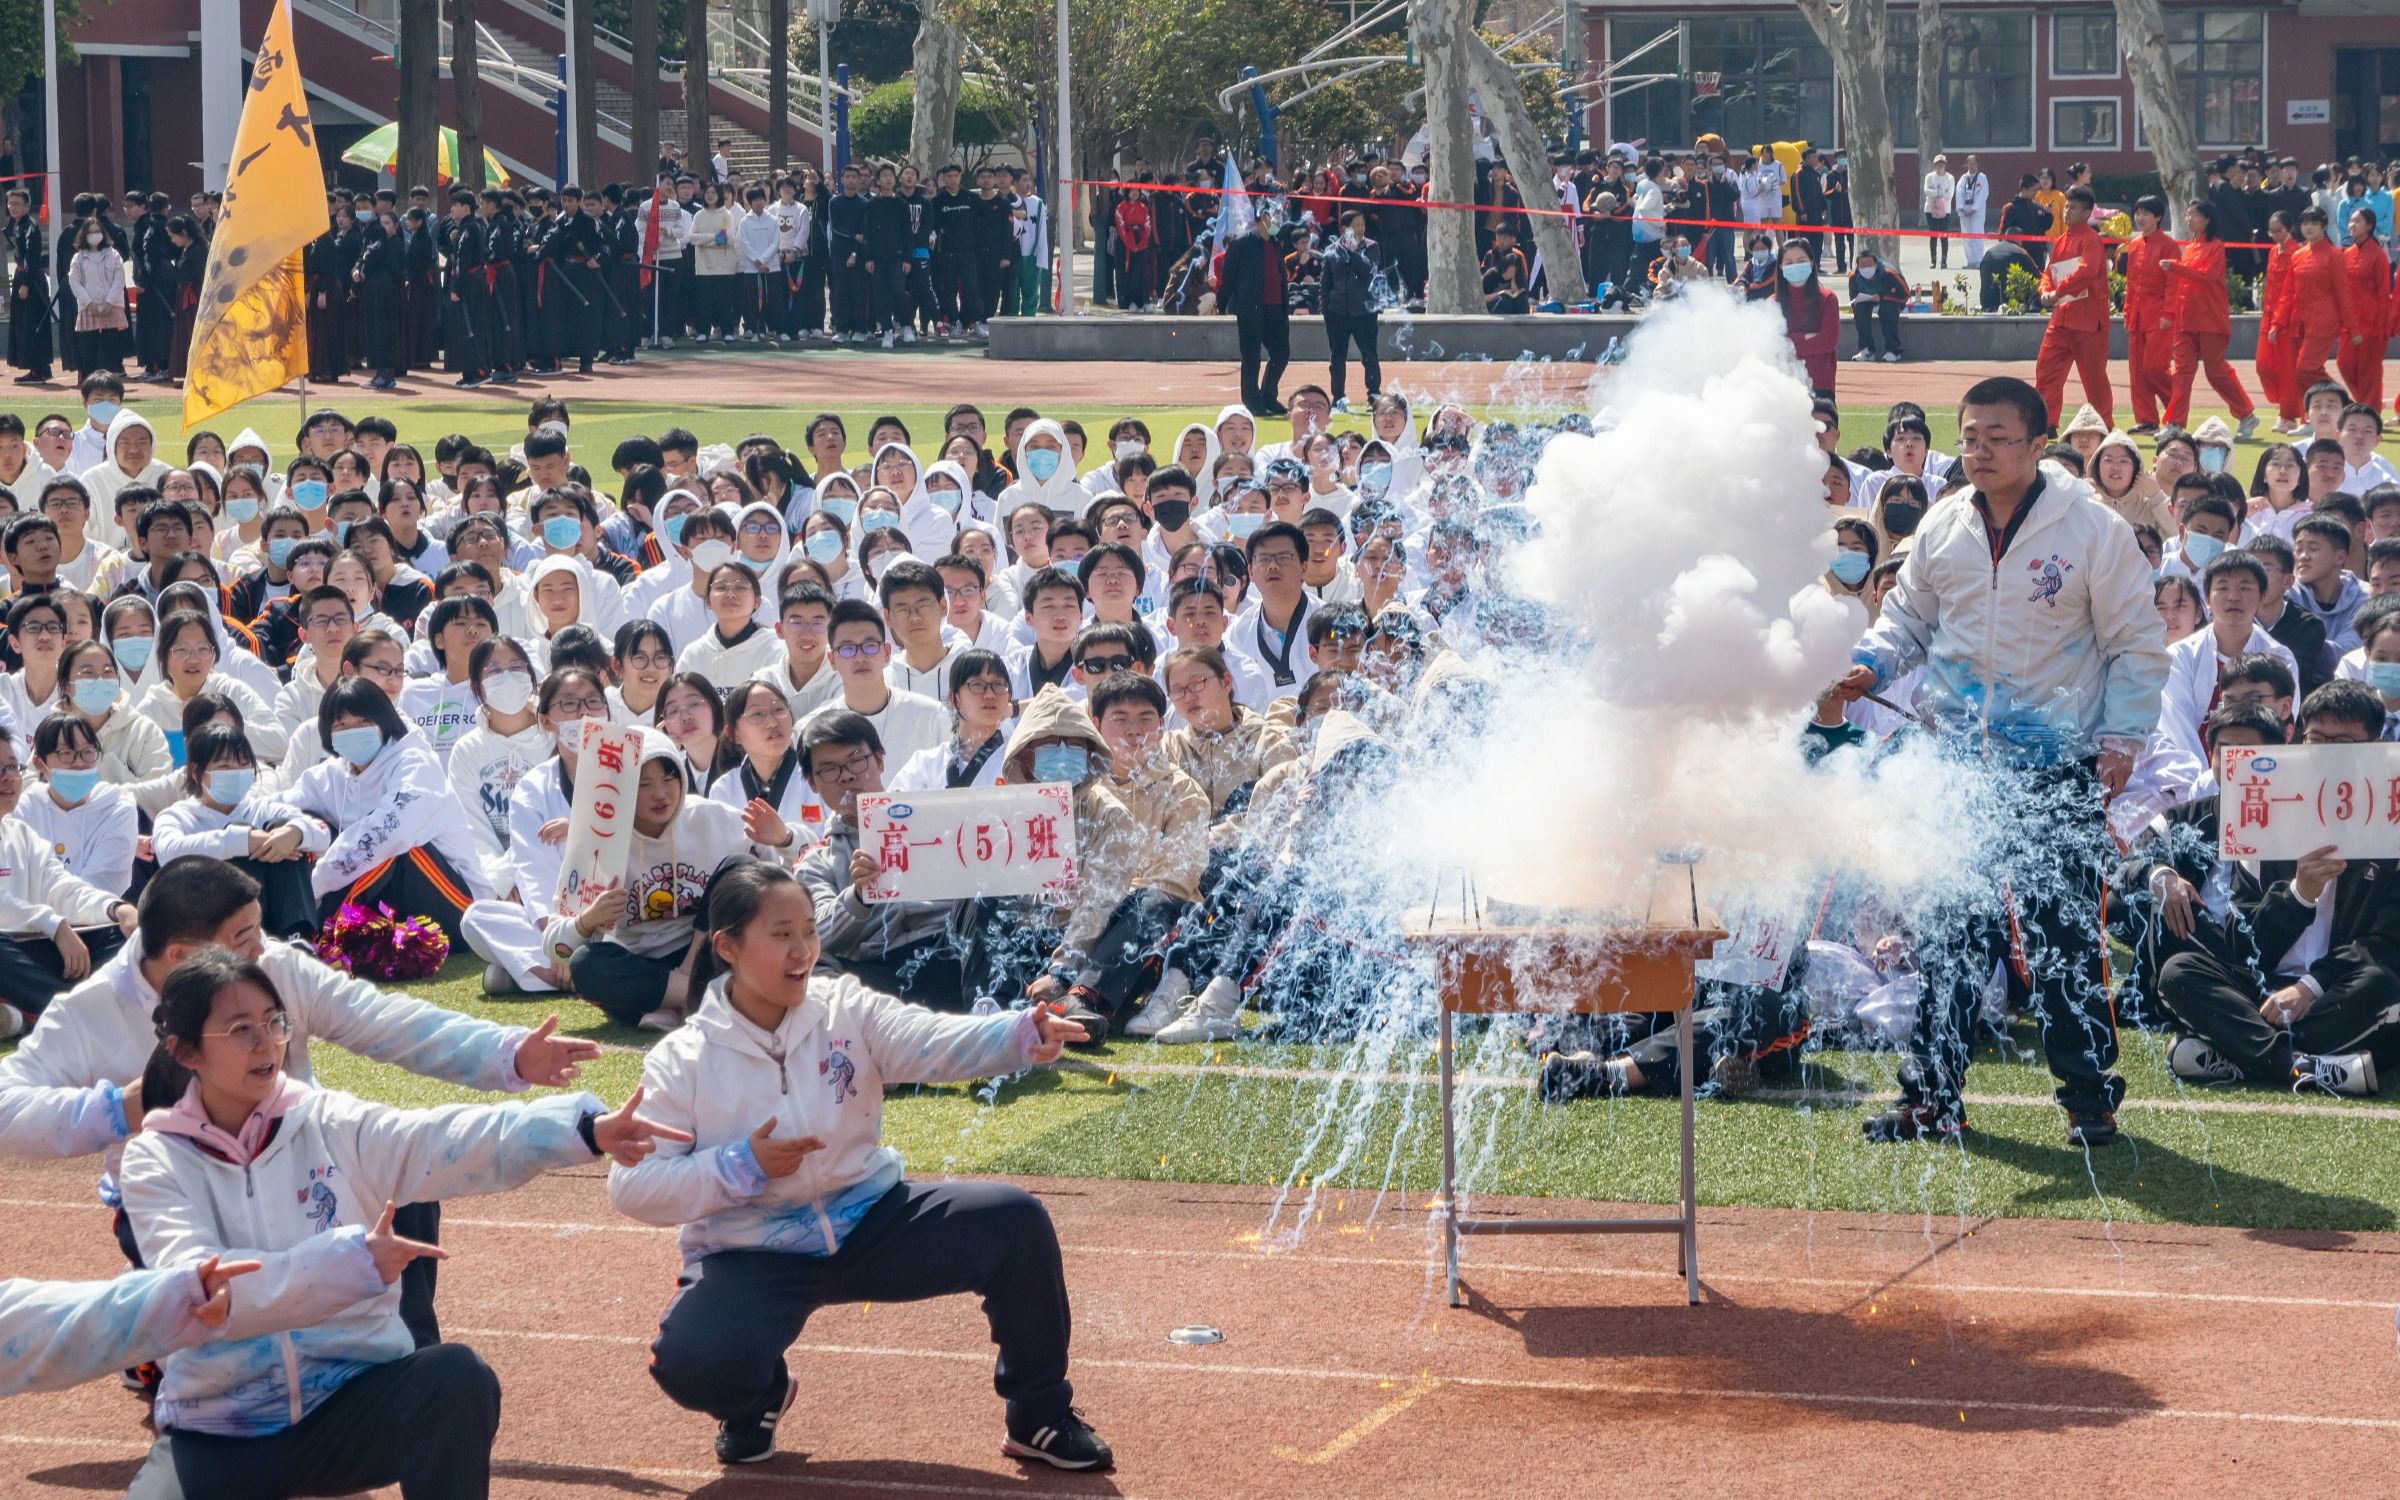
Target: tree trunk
{"x": 1857, "y": 35}
{"x": 420, "y": 47}
{"x": 779, "y": 86}
{"x": 695, "y": 86}
{"x": 585, "y": 125}
{"x": 2142, "y": 33}
{"x": 644, "y": 124}
{"x": 1453, "y": 284}
{"x": 933, "y": 125}
{"x": 1529, "y": 160}
{"x": 466, "y": 92}
{"x": 1933, "y": 36}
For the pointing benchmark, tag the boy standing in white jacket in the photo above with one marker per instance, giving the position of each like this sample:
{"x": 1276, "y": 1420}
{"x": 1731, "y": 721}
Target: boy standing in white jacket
{"x": 788, "y": 1200}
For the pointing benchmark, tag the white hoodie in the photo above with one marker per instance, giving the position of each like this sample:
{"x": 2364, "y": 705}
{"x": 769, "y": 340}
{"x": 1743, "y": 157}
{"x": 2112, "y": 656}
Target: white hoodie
{"x": 104, "y": 479}
{"x": 484, "y": 768}
{"x": 665, "y": 878}
{"x": 822, "y": 1072}
{"x": 931, "y": 529}
{"x": 37, "y": 894}
{"x": 303, "y": 1206}
{"x": 1060, "y": 494}
{"x": 397, "y": 802}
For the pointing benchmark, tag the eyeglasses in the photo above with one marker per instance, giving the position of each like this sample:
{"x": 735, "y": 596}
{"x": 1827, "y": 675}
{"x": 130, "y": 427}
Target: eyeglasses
{"x": 1274, "y": 560}
{"x": 326, "y": 622}
{"x": 1988, "y": 446}
{"x": 761, "y": 528}
{"x": 194, "y": 651}
{"x": 382, "y": 671}
{"x": 857, "y": 649}
{"x": 576, "y": 708}
{"x": 37, "y": 628}
{"x": 274, "y": 1031}
{"x": 648, "y": 661}
{"x": 986, "y": 688}
{"x": 1100, "y": 666}
{"x": 799, "y": 626}
{"x": 846, "y": 771}
{"x": 766, "y": 715}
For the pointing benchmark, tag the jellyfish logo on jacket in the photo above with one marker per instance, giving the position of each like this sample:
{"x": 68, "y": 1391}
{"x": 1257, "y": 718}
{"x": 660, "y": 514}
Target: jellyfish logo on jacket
{"x": 323, "y": 1208}
{"x": 837, "y": 1066}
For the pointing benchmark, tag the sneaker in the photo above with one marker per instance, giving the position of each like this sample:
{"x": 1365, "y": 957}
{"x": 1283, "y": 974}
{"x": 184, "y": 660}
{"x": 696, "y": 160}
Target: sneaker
{"x": 2142, "y": 429}
{"x": 1567, "y": 1076}
{"x": 498, "y": 981}
{"x": 1863, "y": 356}
{"x": 888, "y": 337}
{"x": 1912, "y": 1122}
{"x": 1090, "y": 1017}
{"x": 908, "y": 335}
{"x": 661, "y": 1020}
{"x": 1891, "y": 356}
{"x": 2247, "y": 426}
{"x": 750, "y": 1440}
{"x": 701, "y": 342}
{"x": 1068, "y": 1443}
{"x": 2348, "y": 1073}
{"x": 470, "y": 382}
{"x": 12, "y": 1021}
{"x": 663, "y": 342}
{"x": 1734, "y": 1075}
{"x": 1341, "y": 406}
{"x": 2091, "y": 1127}
{"x": 1214, "y": 1017}
{"x": 141, "y": 1379}
{"x": 1163, "y": 1006}
{"x": 2195, "y": 1061}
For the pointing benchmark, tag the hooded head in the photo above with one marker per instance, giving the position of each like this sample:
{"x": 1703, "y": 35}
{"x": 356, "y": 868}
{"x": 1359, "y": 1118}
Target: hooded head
{"x": 1060, "y": 492}
{"x": 768, "y": 606}
{"x": 929, "y": 525}
{"x": 128, "y": 420}
{"x": 1053, "y": 718}
{"x": 1230, "y": 414}
{"x": 2086, "y": 420}
{"x": 1208, "y": 453}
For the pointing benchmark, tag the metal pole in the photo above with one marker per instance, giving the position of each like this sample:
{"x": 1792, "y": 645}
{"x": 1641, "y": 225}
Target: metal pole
{"x": 572, "y": 169}
{"x": 1063, "y": 154}
{"x": 562, "y": 136}
{"x": 825, "y": 95}
{"x": 53, "y": 157}
{"x": 1449, "y": 1161}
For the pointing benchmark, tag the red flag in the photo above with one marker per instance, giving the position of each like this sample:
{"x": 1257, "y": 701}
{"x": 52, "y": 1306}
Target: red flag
{"x": 650, "y": 239}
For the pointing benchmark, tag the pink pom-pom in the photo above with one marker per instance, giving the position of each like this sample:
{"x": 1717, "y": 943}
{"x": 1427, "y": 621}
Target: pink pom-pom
{"x": 378, "y": 945}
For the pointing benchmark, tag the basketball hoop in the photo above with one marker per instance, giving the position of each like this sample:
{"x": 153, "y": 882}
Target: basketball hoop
{"x": 1704, "y": 85}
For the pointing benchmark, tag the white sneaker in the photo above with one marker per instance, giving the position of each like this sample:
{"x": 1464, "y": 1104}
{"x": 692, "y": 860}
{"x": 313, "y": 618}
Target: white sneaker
{"x": 2195, "y": 1061}
{"x": 1891, "y": 356}
{"x": 1164, "y": 1005}
{"x": 12, "y": 1022}
{"x": 663, "y": 342}
{"x": 2245, "y": 427}
{"x": 2350, "y": 1073}
{"x": 661, "y": 1019}
{"x": 1862, "y": 356}
{"x": 887, "y": 338}
{"x": 1214, "y": 1017}
{"x": 908, "y": 335}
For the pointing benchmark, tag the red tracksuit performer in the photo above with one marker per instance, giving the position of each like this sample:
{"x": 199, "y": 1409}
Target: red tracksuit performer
{"x": 2274, "y": 359}
{"x": 2203, "y": 324}
{"x": 2075, "y": 289}
{"x": 2149, "y": 313}
{"x": 2372, "y": 303}
{"x": 2322, "y": 317}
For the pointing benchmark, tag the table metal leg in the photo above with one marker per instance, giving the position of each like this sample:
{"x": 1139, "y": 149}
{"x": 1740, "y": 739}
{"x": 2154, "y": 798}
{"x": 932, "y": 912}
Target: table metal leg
{"x": 1690, "y": 1238}
{"x": 1449, "y": 1165}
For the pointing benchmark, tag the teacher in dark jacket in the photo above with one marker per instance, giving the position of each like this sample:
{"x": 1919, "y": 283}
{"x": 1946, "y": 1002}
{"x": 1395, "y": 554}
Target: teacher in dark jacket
{"x": 1353, "y": 284}
{"x": 1250, "y": 285}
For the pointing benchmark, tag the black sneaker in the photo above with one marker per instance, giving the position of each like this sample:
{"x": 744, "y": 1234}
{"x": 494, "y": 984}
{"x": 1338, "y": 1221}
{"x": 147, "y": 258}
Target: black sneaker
{"x": 1567, "y": 1076}
{"x": 2091, "y": 1127}
{"x": 1912, "y": 1122}
{"x": 1068, "y": 1443}
{"x": 1084, "y": 1014}
{"x": 750, "y": 1440}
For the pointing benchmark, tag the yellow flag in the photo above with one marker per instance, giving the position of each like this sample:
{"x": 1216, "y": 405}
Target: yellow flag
{"x": 250, "y": 334}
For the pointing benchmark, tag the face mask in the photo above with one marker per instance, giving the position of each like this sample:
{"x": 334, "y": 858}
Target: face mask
{"x": 672, "y": 527}
{"x": 241, "y": 510}
{"x": 1866, "y": 268}
{"x": 1762, "y": 257}
{"x": 1130, "y": 448}
{"x": 103, "y": 412}
{"x": 341, "y": 533}
{"x": 132, "y": 653}
{"x": 358, "y": 746}
{"x": 2212, "y": 460}
{"x": 844, "y": 511}
{"x": 1683, "y": 252}
{"x": 1850, "y": 567}
{"x": 2199, "y": 551}
{"x": 2382, "y": 676}
{"x": 507, "y": 692}
{"x": 279, "y": 549}
{"x": 947, "y": 501}
{"x": 1171, "y": 514}
{"x": 228, "y": 788}
{"x": 1069, "y": 763}
{"x": 94, "y": 243}
{"x": 1375, "y": 478}
{"x": 1796, "y": 273}
{"x": 1901, "y": 520}
{"x": 309, "y": 494}
{"x": 1226, "y": 482}
{"x": 1241, "y": 524}
{"x": 95, "y": 695}
{"x": 711, "y": 555}
{"x": 824, "y": 546}
{"x": 74, "y": 786}
{"x": 562, "y": 532}
{"x": 1041, "y": 463}
{"x": 879, "y": 520}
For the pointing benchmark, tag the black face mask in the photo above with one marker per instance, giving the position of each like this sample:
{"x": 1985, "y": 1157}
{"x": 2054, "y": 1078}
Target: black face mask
{"x": 1170, "y": 514}
{"x": 1901, "y": 520}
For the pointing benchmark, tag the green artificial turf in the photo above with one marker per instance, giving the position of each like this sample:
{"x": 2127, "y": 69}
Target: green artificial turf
{"x": 1124, "y": 1111}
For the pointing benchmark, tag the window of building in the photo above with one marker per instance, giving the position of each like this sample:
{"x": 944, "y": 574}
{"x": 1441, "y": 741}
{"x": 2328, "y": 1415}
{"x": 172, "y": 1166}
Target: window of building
{"x": 2083, "y": 124}
{"x": 1776, "y": 81}
{"x": 1655, "y": 111}
{"x": 1987, "y": 81}
{"x": 2220, "y": 59}
{"x": 2083, "y": 44}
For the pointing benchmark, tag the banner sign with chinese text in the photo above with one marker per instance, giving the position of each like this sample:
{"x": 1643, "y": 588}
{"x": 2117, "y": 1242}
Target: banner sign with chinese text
{"x": 600, "y": 822}
{"x": 2282, "y": 801}
{"x": 976, "y": 841}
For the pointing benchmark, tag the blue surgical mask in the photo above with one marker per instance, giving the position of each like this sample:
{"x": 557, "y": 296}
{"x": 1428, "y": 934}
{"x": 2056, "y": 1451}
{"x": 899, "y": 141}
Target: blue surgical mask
{"x": 1241, "y": 523}
{"x": 241, "y": 510}
{"x": 103, "y": 412}
{"x": 824, "y": 546}
{"x": 672, "y": 527}
{"x": 309, "y": 494}
{"x": 2382, "y": 676}
{"x": 1849, "y": 567}
{"x": 1069, "y": 763}
{"x": 879, "y": 520}
{"x": 132, "y": 652}
{"x": 562, "y": 532}
{"x": 844, "y": 511}
{"x": 341, "y": 533}
{"x": 1041, "y": 463}
{"x": 2212, "y": 460}
{"x": 754, "y": 564}
{"x": 74, "y": 786}
{"x": 279, "y": 549}
{"x": 947, "y": 501}
{"x": 227, "y": 788}
{"x": 358, "y": 745}
{"x": 1375, "y": 477}
{"x": 96, "y": 695}
{"x": 1797, "y": 273}
{"x": 2199, "y": 551}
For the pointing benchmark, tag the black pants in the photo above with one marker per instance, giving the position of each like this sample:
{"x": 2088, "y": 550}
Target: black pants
{"x": 625, "y": 984}
{"x": 153, "y": 328}
{"x": 417, "y": 883}
{"x": 424, "y": 1422}
{"x": 852, "y": 295}
{"x": 891, "y": 294}
{"x": 1126, "y": 957}
{"x": 958, "y": 287}
{"x": 1244, "y": 906}
{"x": 1938, "y": 245}
{"x": 1340, "y": 333}
{"x": 1007, "y": 948}
{"x": 1717, "y": 254}
{"x": 927, "y": 972}
{"x": 1266, "y": 340}
{"x": 2218, "y": 1001}
{"x": 1877, "y": 319}
{"x": 2051, "y": 842}
{"x": 721, "y": 1343}
{"x": 32, "y": 974}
